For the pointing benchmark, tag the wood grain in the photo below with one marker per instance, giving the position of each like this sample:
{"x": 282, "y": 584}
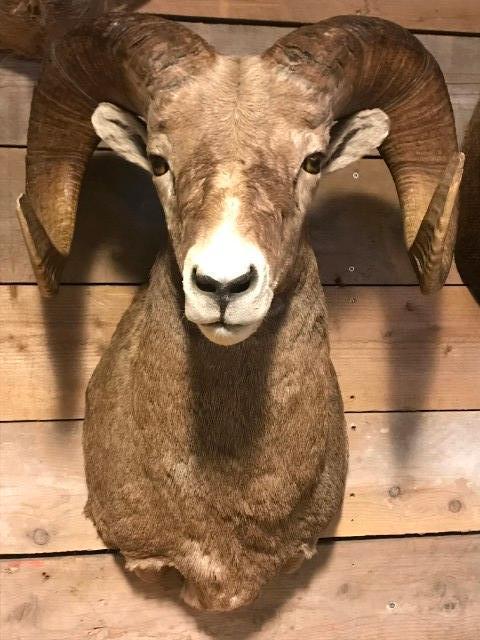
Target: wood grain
{"x": 458, "y": 58}
{"x": 355, "y": 226}
{"x": 393, "y": 348}
{"x": 417, "y": 588}
{"x": 409, "y": 473}
{"x": 433, "y": 15}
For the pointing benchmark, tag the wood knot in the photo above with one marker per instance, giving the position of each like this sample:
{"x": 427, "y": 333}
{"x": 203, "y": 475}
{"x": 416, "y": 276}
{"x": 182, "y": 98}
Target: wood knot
{"x": 454, "y": 506}
{"x": 394, "y": 492}
{"x": 40, "y": 536}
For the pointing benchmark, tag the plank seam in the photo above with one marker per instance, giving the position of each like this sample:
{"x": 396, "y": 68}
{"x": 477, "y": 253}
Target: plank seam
{"x": 21, "y": 283}
{"x": 293, "y": 24}
{"x": 105, "y": 149}
{"x": 347, "y": 413}
{"x": 321, "y": 541}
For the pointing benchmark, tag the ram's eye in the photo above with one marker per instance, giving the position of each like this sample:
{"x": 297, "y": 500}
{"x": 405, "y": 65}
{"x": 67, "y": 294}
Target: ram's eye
{"x": 313, "y": 163}
{"x": 159, "y": 165}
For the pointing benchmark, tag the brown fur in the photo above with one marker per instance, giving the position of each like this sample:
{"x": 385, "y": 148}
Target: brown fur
{"x": 225, "y": 463}
{"x": 255, "y": 129}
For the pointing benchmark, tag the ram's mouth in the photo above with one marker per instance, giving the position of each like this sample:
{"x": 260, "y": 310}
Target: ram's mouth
{"x": 226, "y": 334}
{"x": 222, "y": 323}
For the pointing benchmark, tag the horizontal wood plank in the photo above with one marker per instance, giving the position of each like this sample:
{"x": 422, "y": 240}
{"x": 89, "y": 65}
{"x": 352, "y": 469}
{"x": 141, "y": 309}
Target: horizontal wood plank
{"x": 433, "y": 15}
{"x": 408, "y": 473}
{"x": 419, "y": 588}
{"x": 458, "y": 58}
{"x": 17, "y": 79}
{"x": 355, "y": 226}
{"x": 47, "y": 514}
{"x": 393, "y": 348}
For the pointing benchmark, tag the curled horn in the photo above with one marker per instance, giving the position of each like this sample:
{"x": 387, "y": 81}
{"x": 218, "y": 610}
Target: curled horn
{"x": 361, "y": 63}
{"x": 119, "y": 58}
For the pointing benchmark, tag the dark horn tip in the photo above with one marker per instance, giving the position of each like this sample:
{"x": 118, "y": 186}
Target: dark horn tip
{"x": 47, "y": 261}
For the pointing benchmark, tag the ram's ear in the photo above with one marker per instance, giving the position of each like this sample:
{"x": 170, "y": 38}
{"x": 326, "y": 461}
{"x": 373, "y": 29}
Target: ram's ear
{"x": 354, "y": 137}
{"x": 123, "y": 132}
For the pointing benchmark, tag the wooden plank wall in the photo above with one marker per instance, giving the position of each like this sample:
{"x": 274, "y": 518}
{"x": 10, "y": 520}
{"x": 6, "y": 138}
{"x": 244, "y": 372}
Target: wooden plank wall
{"x": 409, "y": 369}
{"x": 434, "y": 15}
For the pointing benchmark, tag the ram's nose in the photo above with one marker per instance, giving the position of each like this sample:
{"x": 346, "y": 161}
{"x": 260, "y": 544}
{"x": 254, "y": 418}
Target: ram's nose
{"x": 227, "y": 286}
{"x": 223, "y": 291}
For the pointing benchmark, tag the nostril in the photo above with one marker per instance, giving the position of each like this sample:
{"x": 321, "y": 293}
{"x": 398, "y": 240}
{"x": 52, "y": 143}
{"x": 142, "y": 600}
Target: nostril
{"x": 243, "y": 282}
{"x": 205, "y": 283}
{"x": 224, "y": 290}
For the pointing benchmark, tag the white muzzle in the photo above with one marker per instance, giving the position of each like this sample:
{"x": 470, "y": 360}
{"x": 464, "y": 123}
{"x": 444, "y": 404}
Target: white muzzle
{"x": 227, "y": 286}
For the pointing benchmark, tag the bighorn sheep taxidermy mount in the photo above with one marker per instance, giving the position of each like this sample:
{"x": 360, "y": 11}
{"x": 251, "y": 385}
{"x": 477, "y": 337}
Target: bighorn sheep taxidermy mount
{"x": 214, "y": 436}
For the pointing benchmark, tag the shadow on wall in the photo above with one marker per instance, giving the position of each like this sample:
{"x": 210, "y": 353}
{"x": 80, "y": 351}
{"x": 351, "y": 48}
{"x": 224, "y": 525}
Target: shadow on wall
{"x": 467, "y": 249}
{"x": 358, "y": 239}
{"x": 120, "y": 229}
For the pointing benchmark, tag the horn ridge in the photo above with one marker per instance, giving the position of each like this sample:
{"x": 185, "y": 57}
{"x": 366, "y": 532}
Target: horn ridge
{"x": 360, "y": 63}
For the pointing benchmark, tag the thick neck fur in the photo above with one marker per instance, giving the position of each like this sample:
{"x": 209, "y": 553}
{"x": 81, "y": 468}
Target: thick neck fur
{"x": 224, "y": 462}
{"x": 230, "y": 388}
